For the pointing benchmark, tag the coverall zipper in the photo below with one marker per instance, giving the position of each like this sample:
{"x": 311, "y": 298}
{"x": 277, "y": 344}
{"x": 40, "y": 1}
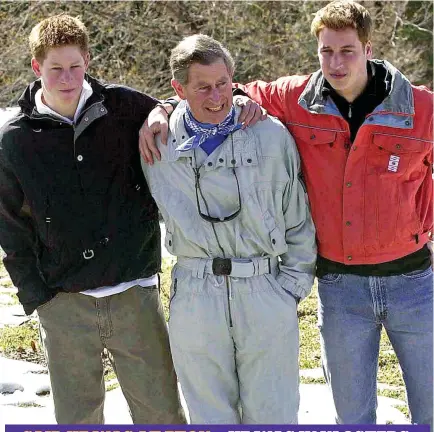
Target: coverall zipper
{"x": 229, "y": 295}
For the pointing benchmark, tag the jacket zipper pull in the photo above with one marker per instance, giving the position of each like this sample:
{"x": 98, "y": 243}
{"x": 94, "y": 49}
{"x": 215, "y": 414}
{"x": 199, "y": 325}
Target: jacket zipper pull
{"x": 349, "y": 111}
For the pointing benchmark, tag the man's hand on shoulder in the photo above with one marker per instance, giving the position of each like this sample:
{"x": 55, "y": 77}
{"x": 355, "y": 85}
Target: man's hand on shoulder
{"x": 156, "y": 123}
{"x": 251, "y": 112}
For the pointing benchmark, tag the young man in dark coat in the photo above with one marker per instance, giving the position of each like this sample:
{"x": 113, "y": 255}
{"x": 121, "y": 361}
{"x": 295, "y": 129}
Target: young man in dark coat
{"x": 81, "y": 234}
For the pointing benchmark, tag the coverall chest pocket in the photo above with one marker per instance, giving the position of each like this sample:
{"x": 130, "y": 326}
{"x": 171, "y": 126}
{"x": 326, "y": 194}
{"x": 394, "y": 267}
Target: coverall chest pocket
{"x": 395, "y": 167}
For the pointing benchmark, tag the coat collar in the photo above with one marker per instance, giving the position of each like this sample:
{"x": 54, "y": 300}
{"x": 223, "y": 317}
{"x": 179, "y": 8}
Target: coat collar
{"x": 239, "y": 148}
{"x": 399, "y": 101}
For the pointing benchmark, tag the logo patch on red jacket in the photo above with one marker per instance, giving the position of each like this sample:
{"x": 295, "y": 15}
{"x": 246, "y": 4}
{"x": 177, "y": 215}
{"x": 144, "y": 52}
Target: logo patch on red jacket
{"x": 393, "y": 163}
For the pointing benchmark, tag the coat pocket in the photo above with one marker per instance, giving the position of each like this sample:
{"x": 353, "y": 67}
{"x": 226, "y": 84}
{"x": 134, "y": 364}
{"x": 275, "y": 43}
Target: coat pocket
{"x": 395, "y": 171}
{"x": 168, "y": 242}
{"x": 276, "y": 235}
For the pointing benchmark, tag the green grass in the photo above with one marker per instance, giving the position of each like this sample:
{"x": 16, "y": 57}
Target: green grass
{"x": 311, "y": 380}
{"x": 165, "y": 281}
{"x": 18, "y": 339}
{"x": 3, "y": 272}
{"x": 310, "y": 354}
{"x": 109, "y": 373}
{"x": 4, "y": 276}
{"x": 5, "y": 281}
{"x": 398, "y": 393}
{"x": 13, "y": 299}
{"x": 112, "y": 386}
{"x": 404, "y": 410}
{"x": 389, "y": 371}
{"x": 28, "y": 405}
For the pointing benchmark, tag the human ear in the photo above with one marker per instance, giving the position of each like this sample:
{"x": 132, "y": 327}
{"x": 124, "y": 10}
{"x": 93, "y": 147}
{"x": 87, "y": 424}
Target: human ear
{"x": 179, "y": 88}
{"x": 36, "y": 67}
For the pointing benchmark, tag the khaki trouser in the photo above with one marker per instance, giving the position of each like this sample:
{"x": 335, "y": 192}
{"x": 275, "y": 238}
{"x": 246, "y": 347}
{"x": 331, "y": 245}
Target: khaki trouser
{"x": 75, "y": 329}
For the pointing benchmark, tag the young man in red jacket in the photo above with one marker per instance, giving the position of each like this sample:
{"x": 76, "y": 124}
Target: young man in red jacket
{"x": 364, "y": 134}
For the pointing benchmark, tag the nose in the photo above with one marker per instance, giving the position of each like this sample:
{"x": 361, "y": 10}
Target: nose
{"x": 66, "y": 76}
{"x": 335, "y": 61}
{"x": 215, "y": 94}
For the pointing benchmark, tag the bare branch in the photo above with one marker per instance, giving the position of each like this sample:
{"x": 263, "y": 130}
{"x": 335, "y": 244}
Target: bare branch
{"x": 417, "y": 27}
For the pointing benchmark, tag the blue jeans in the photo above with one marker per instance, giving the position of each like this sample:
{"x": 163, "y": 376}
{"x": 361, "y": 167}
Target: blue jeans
{"x": 352, "y": 311}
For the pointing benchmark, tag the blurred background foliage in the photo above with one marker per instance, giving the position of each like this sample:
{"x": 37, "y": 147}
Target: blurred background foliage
{"x": 131, "y": 41}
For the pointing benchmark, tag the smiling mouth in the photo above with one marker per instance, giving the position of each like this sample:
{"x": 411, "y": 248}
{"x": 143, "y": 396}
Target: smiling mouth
{"x": 216, "y": 109}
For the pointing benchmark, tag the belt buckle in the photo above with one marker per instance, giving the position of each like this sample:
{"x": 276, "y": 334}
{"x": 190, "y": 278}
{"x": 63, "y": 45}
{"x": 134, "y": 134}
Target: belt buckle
{"x": 221, "y": 266}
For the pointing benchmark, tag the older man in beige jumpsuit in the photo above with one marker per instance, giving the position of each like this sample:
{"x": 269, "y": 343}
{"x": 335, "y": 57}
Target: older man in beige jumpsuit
{"x": 238, "y": 220}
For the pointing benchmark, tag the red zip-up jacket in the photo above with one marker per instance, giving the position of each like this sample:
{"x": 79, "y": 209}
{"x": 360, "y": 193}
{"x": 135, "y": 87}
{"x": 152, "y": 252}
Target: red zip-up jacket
{"x": 371, "y": 200}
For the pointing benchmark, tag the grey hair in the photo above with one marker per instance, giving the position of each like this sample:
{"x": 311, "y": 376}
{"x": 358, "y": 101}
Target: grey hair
{"x": 200, "y": 49}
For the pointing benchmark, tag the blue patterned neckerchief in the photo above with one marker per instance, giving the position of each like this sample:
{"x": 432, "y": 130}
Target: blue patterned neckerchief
{"x": 204, "y": 131}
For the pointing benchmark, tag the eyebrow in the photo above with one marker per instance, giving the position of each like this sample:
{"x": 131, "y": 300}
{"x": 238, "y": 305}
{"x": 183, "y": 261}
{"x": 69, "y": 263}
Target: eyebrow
{"x": 345, "y": 46}
{"x": 54, "y": 63}
{"x": 204, "y": 83}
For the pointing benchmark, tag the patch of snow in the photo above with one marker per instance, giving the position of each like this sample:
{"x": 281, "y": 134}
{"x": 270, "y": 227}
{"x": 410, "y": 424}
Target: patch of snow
{"x": 6, "y": 114}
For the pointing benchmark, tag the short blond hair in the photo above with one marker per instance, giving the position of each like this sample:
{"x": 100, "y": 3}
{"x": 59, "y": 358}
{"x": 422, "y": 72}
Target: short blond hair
{"x": 341, "y": 14}
{"x": 56, "y": 31}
